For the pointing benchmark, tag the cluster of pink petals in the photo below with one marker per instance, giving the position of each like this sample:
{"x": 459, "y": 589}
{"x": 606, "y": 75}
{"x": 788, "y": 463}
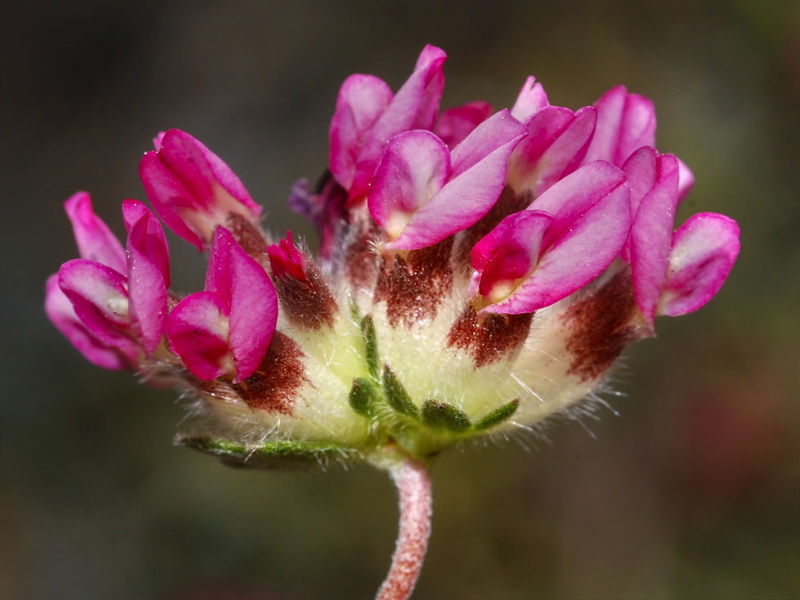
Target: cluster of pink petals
{"x": 597, "y": 191}
{"x": 227, "y": 328}
{"x": 114, "y": 304}
{"x": 591, "y": 191}
{"x": 422, "y": 192}
{"x": 368, "y": 115}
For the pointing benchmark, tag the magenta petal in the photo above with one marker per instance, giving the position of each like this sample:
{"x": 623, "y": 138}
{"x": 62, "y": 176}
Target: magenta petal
{"x": 576, "y": 193}
{"x": 94, "y": 238}
{"x": 543, "y": 129}
{"x": 568, "y": 150}
{"x": 197, "y": 330}
{"x": 413, "y": 107}
{"x": 556, "y": 142}
{"x": 230, "y": 182}
{"x": 480, "y": 164}
{"x": 686, "y": 180}
{"x": 158, "y": 139}
{"x": 218, "y": 273}
{"x": 640, "y": 169}
{"x": 532, "y": 98}
{"x": 508, "y": 254}
{"x": 246, "y": 293}
{"x": 100, "y": 298}
{"x": 204, "y": 172}
{"x": 148, "y": 273}
{"x": 254, "y": 312}
{"x": 362, "y": 100}
{"x": 413, "y": 169}
{"x": 455, "y": 124}
{"x": 60, "y": 311}
{"x": 575, "y": 255}
{"x": 429, "y": 76}
{"x": 625, "y": 123}
{"x": 703, "y": 252}
{"x": 651, "y": 234}
{"x": 170, "y": 198}
{"x": 610, "y": 108}
{"x": 151, "y": 242}
{"x": 639, "y": 126}
{"x": 496, "y": 132}
{"x": 191, "y": 188}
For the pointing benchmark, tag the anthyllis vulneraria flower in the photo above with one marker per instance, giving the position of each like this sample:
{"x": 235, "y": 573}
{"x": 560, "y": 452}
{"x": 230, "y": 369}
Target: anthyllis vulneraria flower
{"x": 478, "y": 271}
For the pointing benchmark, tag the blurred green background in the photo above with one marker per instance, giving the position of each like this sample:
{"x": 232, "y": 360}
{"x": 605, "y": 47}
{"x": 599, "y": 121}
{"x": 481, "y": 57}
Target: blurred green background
{"x": 692, "y": 491}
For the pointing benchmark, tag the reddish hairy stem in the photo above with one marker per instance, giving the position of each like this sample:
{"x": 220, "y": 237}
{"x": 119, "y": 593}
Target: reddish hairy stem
{"x": 416, "y": 507}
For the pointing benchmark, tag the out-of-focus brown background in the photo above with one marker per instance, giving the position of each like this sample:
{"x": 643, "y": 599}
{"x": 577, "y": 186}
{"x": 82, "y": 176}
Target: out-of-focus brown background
{"x": 692, "y": 491}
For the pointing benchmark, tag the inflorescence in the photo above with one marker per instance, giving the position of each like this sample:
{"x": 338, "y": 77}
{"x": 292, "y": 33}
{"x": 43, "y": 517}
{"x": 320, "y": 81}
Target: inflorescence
{"x": 477, "y": 272}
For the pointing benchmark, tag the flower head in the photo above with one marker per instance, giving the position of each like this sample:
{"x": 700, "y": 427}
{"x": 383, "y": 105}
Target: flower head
{"x": 478, "y": 271}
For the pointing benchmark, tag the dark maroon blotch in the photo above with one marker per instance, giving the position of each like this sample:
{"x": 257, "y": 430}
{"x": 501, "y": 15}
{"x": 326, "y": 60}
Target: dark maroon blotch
{"x": 246, "y": 235}
{"x": 275, "y": 386}
{"x": 601, "y": 327}
{"x": 413, "y": 285}
{"x": 360, "y": 258}
{"x": 489, "y": 338}
{"x": 308, "y": 303}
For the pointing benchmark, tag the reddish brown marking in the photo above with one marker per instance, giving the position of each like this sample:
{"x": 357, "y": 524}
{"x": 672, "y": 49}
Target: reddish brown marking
{"x": 276, "y": 384}
{"x": 309, "y": 303}
{"x": 247, "y": 235}
{"x": 601, "y": 326}
{"x": 413, "y": 286}
{"x": 508, "y": 203}
{"x": 360, "y": 258}
{"x": 489, "y": 339}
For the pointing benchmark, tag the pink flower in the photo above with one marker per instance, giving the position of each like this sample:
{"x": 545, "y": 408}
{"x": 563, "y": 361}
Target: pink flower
{"x": 119, "y": 303}
{"x": 192, "y": 190}
{"x": 368, "y": 115}
{"x": 563, "y": 241}
{"x": 673, "y": 273}
{"x": 423, "y": 193}
{"x": 516, "y": 252}
{"x": 556, "y": 142}
{"x": 702, "y": 254}
{"x": 226, "y": 329}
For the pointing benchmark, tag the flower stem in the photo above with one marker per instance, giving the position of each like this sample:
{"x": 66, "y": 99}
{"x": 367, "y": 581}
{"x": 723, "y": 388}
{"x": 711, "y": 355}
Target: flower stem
{"x": 416, "y": 507}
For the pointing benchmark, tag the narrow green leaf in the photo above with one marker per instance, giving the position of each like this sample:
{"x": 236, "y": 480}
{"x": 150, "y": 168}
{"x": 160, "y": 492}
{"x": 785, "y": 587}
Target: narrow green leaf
{"x": 370, "y": 345}
{"x": 355, "y": 312}
{"x": 497, "y": 416}
{"x": 363, "y": 396}
{"x": 271, "y": 455}
{"x": 442, "y": 415}
{"x": 396, "y": 394}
